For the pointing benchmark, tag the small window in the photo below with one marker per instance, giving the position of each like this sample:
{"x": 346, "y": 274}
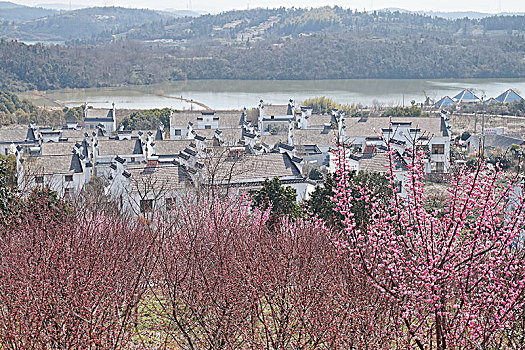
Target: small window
{"x": 39, "y": 179}
{"x": 146, "y": 205}
{"x": 207, "y": 126}
{"x": 177, "y": 132}
{"x": 438, "y": 149}
{"x": 69, "y": 178}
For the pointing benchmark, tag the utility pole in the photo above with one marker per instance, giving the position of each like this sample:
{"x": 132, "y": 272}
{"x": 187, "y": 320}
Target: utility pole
{"x": 475, "y": 122}
{"x": 483, "y": 133}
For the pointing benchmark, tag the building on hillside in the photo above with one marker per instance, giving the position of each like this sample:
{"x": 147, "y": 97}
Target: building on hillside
{"x": 478, "y": 143}
{"x": 65, "y": 174}
{"x": 106, "y": 118}
{"x": 444, "y": 102}
{"x": 431, "y": 133}
{"x": 466, "y": 96}
{"x": 184, "y": 125}
{"x": 509, "y": 96}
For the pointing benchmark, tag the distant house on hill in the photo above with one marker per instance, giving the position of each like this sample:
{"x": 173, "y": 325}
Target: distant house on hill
{"x": 466, "y": 96}
{"x": 509, "y": 96}
{"x": 184, "y": 124}
{"x": 444, "y": 102}
{"x": 492, "y": 142}
{"x": 94, "y": 117}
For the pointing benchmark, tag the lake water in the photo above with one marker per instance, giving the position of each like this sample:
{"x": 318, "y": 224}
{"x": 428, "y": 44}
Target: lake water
{"x": 233, "y": 94}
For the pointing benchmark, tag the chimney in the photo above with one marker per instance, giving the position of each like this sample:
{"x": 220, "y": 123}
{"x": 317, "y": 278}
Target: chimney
{"x": 261, "y": 116}
{"x": 191, "y": 133}
{"x": 160, "y": 133}
{"x": 291, "y": 107}
{"x": 290, "y": 132}
{"x": 113, "y": 117}
{"x": 218, "y": 137}
{"x": 19, "y": 165}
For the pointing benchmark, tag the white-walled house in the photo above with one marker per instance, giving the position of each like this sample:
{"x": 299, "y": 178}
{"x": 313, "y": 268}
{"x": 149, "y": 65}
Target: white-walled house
{"x": 65, "y": 174}
{"x": 106, "y": 118}
{"x": 184, "y": 125}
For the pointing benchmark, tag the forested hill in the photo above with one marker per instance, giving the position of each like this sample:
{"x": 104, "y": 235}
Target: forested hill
{"x": 235, "y": 27}
{"x": 81, "y": 24}
{"x": 17, "y": 13}
{"x": 323, "y": 43}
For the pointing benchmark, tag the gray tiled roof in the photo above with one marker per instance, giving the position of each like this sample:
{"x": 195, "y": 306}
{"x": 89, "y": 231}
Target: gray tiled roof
{"x": 319, "y": 137}
{"x": 13, "y": 133}
{"x": 272, "y": 140}
{"x": 47, "y": 165}
{"x": 116, "y": 147}
{"x": 98, "y": 114}
{"x": 375, "y": 164}
{"x": 162, "y": 178}
{"x": 318, "y": 120}
{"x": 275, "y": 110}
{"x": 170, "y": 147}
{"x": 227, "y": 119}
{"x": 75, "y": 135}
{"x": 227, "y": 134}
{"x": 372, "y": 126}
{"x": 57, "y": 148}
{"x": 502, "y": 142}
{"x": 251, "y": 169}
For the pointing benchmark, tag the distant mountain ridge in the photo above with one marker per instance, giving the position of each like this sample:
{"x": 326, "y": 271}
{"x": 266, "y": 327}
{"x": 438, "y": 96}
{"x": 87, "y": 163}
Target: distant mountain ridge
{"x": 81, "y": 24}
{"x": 453, "y": 14}
{"x": 62, "y": 7}
{"x": 12, "y": 12}
{"x": 116, "y": 46}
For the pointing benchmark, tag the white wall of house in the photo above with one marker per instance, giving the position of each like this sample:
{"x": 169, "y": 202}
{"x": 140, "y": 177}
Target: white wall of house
{"x": 68, "y": 184}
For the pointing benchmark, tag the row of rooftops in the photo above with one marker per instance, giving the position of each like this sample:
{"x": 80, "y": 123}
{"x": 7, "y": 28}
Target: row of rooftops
{"x": 263, "y": 156}
{"x": 468, "y": 96}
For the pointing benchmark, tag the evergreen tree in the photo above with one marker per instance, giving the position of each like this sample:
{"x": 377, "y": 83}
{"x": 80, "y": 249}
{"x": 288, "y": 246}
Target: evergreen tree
{"x": 280, "y": 199}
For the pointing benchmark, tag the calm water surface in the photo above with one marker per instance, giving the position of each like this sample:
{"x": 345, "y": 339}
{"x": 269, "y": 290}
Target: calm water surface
{"x": 230, "y": 94}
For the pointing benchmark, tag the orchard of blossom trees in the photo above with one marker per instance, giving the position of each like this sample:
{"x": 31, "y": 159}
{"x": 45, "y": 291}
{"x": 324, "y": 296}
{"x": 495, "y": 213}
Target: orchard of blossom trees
{"x": 219, "y": 273}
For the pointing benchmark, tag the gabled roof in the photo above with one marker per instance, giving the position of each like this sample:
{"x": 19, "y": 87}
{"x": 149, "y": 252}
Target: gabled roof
{"x": 162, "y": 178}
{"x": 13, "y": 133}
{"x": 228, "y": 119}
{"x": 275, "y": 110}
{"x": 75, "y": 165}
{"x": 502, "y": 142}
{"x": 170, "y": 147}
{"x": 114, "y": 147}
{"x": 137, "y": 149}
{"x": 466, "y": 96}
{"x": 509, "y": 96}
{"x": 98, "y": 115}
{"x": 253, "y": 168}
{"x": 444, "y": 102}
{"x": 57, "y": 148}
{"x": 50, "y": 165}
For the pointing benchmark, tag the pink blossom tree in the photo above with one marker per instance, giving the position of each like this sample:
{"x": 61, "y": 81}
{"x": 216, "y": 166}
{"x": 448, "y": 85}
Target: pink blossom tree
{"x": 70, "y": 278}
{"x": 456, "y": 274}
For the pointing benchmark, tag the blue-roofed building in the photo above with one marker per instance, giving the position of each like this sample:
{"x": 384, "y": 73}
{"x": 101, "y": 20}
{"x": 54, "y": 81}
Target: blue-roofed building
{"x": 444, "y": 102}
{"x": 509, "y": 96}
{"x": 466, "y": 96}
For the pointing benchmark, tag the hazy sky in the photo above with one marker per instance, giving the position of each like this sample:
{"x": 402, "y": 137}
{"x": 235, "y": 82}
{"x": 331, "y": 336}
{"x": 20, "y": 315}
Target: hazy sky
{"x": 492, "y": 6}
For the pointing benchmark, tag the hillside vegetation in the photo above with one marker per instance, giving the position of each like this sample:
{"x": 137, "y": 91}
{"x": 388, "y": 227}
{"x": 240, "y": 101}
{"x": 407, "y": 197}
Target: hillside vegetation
{"x": 11, "y": 12}
{"x": 81, "y": 24}
{"x": 115, "y": 46}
